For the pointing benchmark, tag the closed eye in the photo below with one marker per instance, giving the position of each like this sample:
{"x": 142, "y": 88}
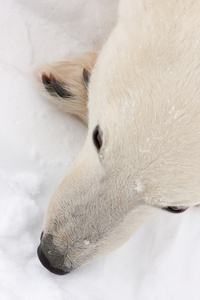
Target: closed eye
{"x": 175, "y": 209}
{"x": 97, "y": 138}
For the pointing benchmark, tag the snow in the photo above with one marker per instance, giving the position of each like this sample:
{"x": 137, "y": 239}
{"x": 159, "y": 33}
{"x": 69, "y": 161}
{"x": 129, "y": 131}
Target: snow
{"x": 37, "y": 146}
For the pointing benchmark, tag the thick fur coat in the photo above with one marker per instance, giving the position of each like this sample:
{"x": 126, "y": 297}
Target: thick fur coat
{"x": 140, "y": 97}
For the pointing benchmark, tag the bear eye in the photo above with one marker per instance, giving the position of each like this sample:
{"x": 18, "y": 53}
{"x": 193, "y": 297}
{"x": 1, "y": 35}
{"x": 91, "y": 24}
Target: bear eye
{"x": 97, "y": 138}
{"x": 175, "y": 209}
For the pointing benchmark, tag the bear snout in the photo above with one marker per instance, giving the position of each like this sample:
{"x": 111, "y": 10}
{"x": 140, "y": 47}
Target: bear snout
{"x": 50, "y": 257}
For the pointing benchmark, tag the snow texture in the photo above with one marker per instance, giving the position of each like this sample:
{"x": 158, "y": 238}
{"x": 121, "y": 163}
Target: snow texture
{"x": 37, "y": 145}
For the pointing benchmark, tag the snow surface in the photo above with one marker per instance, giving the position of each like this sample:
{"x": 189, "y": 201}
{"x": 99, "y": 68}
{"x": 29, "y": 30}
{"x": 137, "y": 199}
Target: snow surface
{"x": 38, "y": 144}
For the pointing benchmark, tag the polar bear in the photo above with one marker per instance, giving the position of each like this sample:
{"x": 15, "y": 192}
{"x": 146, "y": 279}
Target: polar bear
{"x": 140, "y": 98}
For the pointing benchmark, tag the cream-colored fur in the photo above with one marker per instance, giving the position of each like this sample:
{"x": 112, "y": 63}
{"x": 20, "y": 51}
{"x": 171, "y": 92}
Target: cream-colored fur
{"x": 70, "y": 74}
{"x": 144, "y": 94}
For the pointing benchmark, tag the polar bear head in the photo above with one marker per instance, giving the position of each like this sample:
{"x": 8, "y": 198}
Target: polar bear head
{"x": 141, "y": 153}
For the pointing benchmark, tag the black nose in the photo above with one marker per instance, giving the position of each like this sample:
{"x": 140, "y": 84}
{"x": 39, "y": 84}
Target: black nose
{"x": 48, "y": 263}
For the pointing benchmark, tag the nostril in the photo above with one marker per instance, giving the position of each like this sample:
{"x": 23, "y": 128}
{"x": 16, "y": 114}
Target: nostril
{"x": 46, "y": 263}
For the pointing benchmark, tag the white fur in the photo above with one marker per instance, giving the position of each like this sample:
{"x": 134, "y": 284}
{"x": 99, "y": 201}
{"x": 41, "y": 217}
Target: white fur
{"x": 144, "y": 93}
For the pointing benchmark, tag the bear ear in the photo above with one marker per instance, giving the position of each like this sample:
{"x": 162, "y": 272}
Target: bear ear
{"x": 86, "y": 76}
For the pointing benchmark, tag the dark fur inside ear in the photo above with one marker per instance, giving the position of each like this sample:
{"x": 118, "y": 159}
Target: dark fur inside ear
{"x": 55, "y": 87}
{"x": 86, "y": 76}
{"x": 47, "y": 84}
{"x": 59, "y": 89}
